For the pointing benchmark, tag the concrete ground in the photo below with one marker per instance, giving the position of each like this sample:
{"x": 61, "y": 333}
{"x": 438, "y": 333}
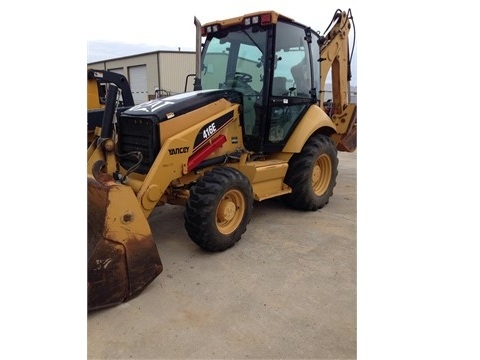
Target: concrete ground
{"x": 286, "y": 290}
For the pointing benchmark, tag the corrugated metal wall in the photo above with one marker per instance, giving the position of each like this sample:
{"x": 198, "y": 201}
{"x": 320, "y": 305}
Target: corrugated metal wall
{"x": 166, "y": 71}
{"x": 174, "y": 68}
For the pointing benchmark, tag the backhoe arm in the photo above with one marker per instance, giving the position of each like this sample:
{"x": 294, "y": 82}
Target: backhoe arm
{"x": 334, "y": 56}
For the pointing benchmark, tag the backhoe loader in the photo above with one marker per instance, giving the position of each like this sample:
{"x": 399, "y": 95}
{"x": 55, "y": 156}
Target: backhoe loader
{"x": 253, "y": 128}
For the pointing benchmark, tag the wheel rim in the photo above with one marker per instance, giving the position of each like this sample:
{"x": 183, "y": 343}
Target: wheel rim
{"x": 230, "y": 211}
{"x": 321, "y": 174}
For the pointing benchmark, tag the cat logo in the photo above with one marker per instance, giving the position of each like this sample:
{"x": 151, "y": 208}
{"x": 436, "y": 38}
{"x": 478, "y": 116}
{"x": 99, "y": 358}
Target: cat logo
{"x": 179, "y": 150}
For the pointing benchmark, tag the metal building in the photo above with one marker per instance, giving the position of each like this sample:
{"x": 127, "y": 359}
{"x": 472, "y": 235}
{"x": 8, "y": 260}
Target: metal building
{"x": 153, "y": 74}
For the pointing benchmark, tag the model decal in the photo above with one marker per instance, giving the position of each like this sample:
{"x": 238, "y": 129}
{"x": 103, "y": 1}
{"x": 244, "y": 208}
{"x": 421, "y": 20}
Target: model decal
{"x": 207, "y": 131}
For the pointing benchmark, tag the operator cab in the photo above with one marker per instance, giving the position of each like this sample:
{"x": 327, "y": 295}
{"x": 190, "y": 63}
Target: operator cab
{"x": 273, "y": 62}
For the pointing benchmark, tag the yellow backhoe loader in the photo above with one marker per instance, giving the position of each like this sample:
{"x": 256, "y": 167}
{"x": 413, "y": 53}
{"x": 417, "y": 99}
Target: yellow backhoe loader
{"x": 254, "y": 128}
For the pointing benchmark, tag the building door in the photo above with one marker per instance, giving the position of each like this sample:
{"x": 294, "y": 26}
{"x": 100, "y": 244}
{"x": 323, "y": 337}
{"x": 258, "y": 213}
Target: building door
{"x": 138, "y": 83}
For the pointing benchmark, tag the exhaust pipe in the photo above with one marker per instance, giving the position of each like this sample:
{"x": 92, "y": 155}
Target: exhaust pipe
{"x": 197, "y": 84}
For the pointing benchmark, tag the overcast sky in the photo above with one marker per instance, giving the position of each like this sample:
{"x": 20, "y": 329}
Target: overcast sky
{"x": 152, "y": 26}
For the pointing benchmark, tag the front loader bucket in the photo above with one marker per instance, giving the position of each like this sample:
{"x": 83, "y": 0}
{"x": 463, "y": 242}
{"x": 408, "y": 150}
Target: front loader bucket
{"x": 122, "y": 254}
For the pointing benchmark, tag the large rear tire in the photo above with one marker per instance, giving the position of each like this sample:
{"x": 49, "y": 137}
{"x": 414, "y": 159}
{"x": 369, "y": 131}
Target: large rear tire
{"x": 219, "y": 208}
{"x": 312, "y": 174}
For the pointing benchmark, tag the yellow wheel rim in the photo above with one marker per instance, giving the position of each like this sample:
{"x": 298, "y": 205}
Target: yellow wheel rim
{"x": 321, "y": 174}
{"x": 230, "y": 212}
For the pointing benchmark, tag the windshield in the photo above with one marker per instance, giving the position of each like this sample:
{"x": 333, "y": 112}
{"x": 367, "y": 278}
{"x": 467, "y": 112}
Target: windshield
{"x": 235, "y": 59}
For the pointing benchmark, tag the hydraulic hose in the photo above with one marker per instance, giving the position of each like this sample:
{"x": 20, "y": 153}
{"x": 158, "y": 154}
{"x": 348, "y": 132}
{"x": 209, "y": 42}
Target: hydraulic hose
{"x": 111, "y": 105}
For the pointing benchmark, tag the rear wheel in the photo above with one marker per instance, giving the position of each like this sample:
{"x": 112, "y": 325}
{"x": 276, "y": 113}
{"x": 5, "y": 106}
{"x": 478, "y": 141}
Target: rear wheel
{"x": 219, "y": 208}
{"x": 312, "y": 174}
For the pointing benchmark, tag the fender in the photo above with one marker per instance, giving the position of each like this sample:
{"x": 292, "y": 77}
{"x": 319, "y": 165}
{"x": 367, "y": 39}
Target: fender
{"x": 314, "y": 119}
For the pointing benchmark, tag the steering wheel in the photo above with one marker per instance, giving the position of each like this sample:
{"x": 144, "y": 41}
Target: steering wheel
{"x": 243, "y": 77}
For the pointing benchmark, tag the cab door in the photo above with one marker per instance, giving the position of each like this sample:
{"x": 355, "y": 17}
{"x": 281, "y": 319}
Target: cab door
{"x": 292, "y": 88}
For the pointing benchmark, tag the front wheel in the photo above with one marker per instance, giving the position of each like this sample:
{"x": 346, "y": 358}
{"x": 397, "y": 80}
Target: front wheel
{"x": 219, "y": 208}
{"x": 312, "y": 174}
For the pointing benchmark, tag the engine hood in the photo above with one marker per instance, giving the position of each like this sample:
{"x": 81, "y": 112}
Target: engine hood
{"x": 172, "y": 106}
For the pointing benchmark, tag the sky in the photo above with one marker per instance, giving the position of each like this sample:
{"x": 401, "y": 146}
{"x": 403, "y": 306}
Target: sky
{"x": 173, "y": 28}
